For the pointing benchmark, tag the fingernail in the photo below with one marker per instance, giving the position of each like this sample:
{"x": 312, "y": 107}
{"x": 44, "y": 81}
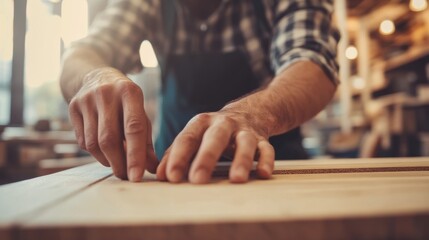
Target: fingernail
{"x": 134, "y": 174}
{"x": 175, "y": 175}
{"x": 200, "y": 176}
{"x": 240, "y": 174}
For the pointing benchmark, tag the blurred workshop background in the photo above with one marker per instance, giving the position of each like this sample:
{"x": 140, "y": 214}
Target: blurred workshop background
{"x": 381, "y": 108}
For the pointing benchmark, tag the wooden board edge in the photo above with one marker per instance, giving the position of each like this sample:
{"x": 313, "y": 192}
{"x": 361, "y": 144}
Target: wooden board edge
{"x": 413, "y": 226}
{"x": 338, "y": 166}
{"x": 19, "y": 217}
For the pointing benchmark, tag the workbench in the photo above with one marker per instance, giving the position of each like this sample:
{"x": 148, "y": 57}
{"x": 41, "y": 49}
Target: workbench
{"x": 314, "y": 199}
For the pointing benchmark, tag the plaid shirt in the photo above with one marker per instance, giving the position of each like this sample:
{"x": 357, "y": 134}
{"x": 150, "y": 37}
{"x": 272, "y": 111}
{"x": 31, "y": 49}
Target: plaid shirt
{"x": 299, "y": 30}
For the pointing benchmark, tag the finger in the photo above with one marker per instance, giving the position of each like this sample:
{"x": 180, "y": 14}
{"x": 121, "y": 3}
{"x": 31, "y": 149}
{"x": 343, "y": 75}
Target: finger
{"x": 77, "y": 121}
{"x": 161, "y": 174}
{"x": 214, "y": 142}
{"x": 135, "y": 129}
{"x": 184, "y": 148}
{"x": 265, "y": 166}
{"x": 90, "y": 124}
{"x": 243, "y": 158}
{"x": 110, "y": 136}
{"x": 151, "y": 159}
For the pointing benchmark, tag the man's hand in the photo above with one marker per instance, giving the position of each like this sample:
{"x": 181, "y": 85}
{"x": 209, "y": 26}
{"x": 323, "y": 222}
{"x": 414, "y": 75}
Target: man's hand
{"x": 110, "y": 123}
{"x": 197, "y": 149}
{"x": 291, "y": 98}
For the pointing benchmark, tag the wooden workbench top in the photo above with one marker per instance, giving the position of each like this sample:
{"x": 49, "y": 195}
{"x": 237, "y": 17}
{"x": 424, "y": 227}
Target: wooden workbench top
{"x": 316, "y": 199}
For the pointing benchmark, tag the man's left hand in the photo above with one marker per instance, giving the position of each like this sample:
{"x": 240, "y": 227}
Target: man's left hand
{"x": 197, "y": 149}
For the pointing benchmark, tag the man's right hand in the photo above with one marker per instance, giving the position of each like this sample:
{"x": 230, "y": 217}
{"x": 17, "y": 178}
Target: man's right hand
{"x": 110, "y": 123}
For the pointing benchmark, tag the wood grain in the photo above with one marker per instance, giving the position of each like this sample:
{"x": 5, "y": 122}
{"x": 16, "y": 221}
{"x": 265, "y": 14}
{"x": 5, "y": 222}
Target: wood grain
{"x": 22, "y": 200}
{"x": 290, "y": 206}
{"x": 298, "y": 203}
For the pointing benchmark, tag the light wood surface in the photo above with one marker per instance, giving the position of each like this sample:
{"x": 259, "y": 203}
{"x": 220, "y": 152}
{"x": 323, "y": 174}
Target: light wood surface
{"x": 319, "y": 199}
{"x": 23, "y": 200}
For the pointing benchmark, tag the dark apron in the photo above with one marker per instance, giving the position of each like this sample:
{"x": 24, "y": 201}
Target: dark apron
{"x": 205, "y": 82}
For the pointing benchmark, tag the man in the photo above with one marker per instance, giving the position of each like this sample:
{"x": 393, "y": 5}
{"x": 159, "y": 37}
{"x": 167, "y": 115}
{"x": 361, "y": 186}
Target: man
{"x": 235, "y": 73}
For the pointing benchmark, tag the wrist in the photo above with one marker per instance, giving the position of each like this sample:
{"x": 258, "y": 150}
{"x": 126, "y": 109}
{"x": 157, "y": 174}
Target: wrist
{"x": 97, "y": 74}
{"x": 253, "y": 111}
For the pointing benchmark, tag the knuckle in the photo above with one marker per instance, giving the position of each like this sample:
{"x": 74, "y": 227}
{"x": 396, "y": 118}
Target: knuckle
{"x": 226, "y": 121}
{"x": 220, "y": 133}
{"x": 243, "y": 134}
{"x": 74, "y": 110}
{"x": 129, "y": 87}
{"x": 245, "y": 153}
{"x": 247, "y": 137}
{"x": 209, "y": 154}
{"x": 133, "y": 164}
{"x": 103, "y": 90}
{"x": 134, "y": 125}
{"x": 73, "y": 106}
{"x": 267, "y": 151}
{"x": 91, "y": 146}
{"x": 221, "y": 130}
{"x": 270, "y": 148}
{"x": 107, "y": 141}
{"x": 201, "y": 118}
{"x": 85, "y": 99}
{"x": 188, "y": 138}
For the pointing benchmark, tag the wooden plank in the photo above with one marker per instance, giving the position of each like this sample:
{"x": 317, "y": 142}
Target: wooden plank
{"x": 388, "y": 204}
{"x": 25, "y": 199}
{"x": 353, "y": 165}
{"x": 342, "y": 166}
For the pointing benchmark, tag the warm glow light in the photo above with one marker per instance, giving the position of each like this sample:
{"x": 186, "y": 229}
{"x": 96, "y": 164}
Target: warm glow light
{"x": 351, "y": 52}
{"x": 147, "y": 55}
{"x": 74, "y": 20}
{"x": 418, "y": 5}
{"x": 6, "y": 30}
{"x": 387, "y": 27}
{"x": 358, "y": 83}
{"x": 43, "y": 45}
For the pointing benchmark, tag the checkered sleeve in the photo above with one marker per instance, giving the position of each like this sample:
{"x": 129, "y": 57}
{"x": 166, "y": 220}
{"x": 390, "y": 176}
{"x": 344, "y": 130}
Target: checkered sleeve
{"x": 303, "y": 30}
{"x": 117, "y": 32}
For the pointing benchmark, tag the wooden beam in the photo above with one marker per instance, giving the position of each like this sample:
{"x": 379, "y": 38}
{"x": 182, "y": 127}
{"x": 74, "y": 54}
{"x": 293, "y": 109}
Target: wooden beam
{"x": 363, "y": 46}
{"x": 344, "y": 74}
{"x": 17, "y": 83}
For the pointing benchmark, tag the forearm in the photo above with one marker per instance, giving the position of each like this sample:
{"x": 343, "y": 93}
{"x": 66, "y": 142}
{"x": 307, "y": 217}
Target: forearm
{"x": 293, "y": 97}
{"x": 77, "y": 63}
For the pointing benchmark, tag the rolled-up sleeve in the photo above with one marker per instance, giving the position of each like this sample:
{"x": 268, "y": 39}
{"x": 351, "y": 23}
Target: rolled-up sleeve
{"x": 117, "y": 32}
{"x": 303, "y": 30}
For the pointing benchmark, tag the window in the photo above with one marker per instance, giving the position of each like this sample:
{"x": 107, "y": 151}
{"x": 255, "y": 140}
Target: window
{"x": 51, "y": 25}
{"x": 6, "y": 50}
